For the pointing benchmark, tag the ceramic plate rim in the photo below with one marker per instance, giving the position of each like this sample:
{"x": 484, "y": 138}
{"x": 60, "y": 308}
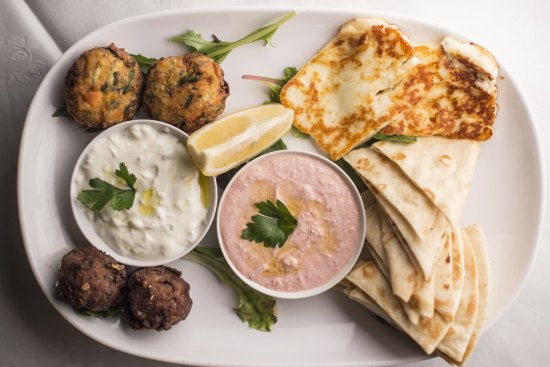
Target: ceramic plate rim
{"x": 533, "y": 131}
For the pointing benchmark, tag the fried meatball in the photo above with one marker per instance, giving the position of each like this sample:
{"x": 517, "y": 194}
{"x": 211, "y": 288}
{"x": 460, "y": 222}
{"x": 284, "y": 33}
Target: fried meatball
{"x": 157, "y": 298}
{"x": 91, "y": 279}
{"x": 103, "y": 87}
{"x": 187, "y": 91}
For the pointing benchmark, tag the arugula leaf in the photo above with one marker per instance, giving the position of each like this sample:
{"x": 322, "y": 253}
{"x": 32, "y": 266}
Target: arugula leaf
{"x": 111, "y": 312}
{"x": 272, "y": 227}
{"x": 144, "y": 63}
{"x": 297, "y": 133}
{"x": 61, "y": 112}
{"x": 395, "y": 138}
{"x": 103, "y": 192}
{"x": 275, "y": 85}
{"x": 256, "y": 309}
{"x": 218, "y": 50}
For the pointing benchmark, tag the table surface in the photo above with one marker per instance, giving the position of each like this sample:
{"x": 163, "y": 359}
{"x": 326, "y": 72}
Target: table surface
{"x": 32, "y": 333}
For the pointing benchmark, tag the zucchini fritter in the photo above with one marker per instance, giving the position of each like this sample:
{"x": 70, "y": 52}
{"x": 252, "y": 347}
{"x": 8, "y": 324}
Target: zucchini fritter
{"x": 103, "y": 87}
{"x": 187, "y": 91}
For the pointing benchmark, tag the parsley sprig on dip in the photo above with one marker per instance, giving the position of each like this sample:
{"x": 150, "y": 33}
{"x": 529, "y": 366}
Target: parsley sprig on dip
{"x": 103, "y": 192}
{"x": 272, "y": 227}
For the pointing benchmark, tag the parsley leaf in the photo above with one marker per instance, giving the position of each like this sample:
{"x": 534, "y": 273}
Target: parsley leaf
{"x": 103, "y": 192}
{"x": 258, "y": 310}
{"x": 395, "y": 138}
{"x": 272, "y": 227}
{"x": 128, "y": 177}
{"x": 218, "y": 50}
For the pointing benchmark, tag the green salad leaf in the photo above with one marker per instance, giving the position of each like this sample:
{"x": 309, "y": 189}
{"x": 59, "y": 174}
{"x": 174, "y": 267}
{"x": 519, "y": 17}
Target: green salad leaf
{"x": 103, "y": 192}
{"x": 395, "y": 138}
{"x": 256, "y": 309}
{"x": 275, "y": 85}
{"x": 272, "y": 227}
{"x": 144, "y": 62}
{"x": 352, "y": 174}
{"x": 61, "y": 112}
{"x": 218, "y": 50}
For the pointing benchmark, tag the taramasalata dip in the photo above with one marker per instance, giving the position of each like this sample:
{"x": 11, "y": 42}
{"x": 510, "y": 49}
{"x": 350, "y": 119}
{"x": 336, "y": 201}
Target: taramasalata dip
{"x": 170, "y": 211}
{"x": 329, "y": 231}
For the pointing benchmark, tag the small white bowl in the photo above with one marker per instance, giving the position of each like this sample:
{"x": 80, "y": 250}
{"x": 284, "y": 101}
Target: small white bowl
{"x": 88, "y": 229}
{"x": 345, "y": 269}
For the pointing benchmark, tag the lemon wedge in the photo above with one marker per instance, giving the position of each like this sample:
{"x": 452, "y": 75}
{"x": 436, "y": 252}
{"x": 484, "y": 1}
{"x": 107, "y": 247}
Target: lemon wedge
{"x": 223, "y": 144}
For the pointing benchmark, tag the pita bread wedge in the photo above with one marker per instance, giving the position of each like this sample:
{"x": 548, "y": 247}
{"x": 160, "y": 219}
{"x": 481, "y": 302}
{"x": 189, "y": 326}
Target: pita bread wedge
{"x": 442, "y": 168}
{"x": 390, "y": 182}
{"x": 456, "y": 341}
{"x": 361, "y": 297}
{"x": 422, "y": 251}
{"x": 428, "y": 333}
{"x": 373, "y": 237}
{"x": 334, "y": 95}
{"x": 404, "y": 278}
{"x": 451, "y": 92}
{"x": 478, "y": 243}
{"x": 445, "y": 288}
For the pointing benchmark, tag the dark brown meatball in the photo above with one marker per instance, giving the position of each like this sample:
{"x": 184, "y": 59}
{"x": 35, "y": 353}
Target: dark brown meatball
{"x": 103, "y": 87}
{"x": 91, "y": 279}
{"x": 187, "y": 91}
{"x": 157, "y": 298}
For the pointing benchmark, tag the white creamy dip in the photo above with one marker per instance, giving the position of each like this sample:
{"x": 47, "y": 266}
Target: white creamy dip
{"x": 170, "y": 207}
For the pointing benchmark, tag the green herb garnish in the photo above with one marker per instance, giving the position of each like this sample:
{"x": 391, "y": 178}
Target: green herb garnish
{"x": 218, "y": 50}
{"x": 352, "y": 174}
{"x": 395, "y": 138}
{"x": 131, "y": 77}
{"x": 103, "y": 192}
{"x": 144, "y": 63}
{"x": 61, "y": 112}
{"x": 258, "y": 310}
{"x": 275, "y": 85}
{"x": 272, "y": 227}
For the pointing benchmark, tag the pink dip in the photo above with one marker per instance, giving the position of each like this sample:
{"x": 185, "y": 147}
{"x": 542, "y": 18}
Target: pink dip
{"x": 322, "y": 201}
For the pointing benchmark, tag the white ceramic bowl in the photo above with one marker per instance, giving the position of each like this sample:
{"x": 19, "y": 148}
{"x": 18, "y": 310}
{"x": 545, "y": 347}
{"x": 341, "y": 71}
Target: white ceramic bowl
{"x": 88, "y": 229}
{"x": 343, "y": 271}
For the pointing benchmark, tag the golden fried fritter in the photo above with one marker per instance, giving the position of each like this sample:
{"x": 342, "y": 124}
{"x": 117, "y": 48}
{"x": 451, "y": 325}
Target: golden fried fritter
{"x": 103, "y": 87}
{"x": 187, "y": 91}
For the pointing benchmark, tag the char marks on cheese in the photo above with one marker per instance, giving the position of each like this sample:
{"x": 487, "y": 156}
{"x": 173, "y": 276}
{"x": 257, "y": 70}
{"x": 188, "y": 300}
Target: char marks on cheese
{"x": 370, "y": 78}
{"x": 451, "y": 92}
{"x": 335, "y": 95}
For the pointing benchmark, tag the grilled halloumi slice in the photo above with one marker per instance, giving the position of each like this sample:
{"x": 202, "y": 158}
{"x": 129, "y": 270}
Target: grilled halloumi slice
{"x": 451, "y": 92}
{"x": 335, "y": 95}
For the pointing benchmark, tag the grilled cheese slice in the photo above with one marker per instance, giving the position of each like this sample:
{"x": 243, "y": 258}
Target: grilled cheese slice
{"x": 451, "y": 92}
{"x": 335, "y": 96}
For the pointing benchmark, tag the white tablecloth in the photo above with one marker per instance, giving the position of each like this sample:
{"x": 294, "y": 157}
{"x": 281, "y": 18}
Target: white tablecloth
{"x": 33, "y": 35}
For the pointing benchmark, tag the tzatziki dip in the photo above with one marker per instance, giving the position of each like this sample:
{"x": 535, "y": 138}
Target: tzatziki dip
{"x": 170, "y": 208}
{"x": 329, "y": 231}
